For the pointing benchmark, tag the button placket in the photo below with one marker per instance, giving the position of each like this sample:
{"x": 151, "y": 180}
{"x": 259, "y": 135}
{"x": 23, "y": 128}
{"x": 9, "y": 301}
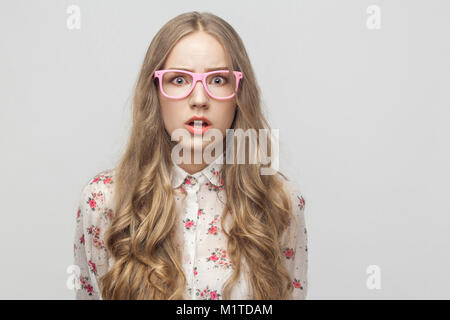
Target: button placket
{"x": 192, "y": 187}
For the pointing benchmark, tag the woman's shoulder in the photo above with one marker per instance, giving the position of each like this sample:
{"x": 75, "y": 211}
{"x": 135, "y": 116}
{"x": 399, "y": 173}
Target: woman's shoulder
{"x": 101, "y": 181}
{"x": 97, "y": 195}
{"x": 104, "y": 177}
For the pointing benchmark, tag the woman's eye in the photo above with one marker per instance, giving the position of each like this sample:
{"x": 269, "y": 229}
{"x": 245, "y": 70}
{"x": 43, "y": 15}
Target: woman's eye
{"x": 219, "y": 80}
{"x": 178, "y": 80}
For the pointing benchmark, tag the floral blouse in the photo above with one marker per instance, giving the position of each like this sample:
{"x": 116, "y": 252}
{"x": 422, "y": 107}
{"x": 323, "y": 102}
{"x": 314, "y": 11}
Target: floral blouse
{"x": 205, "y": 260}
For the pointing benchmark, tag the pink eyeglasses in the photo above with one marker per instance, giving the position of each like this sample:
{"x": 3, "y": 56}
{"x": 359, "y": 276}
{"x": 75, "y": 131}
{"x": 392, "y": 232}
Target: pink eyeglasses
{"x": 178, "y": 84}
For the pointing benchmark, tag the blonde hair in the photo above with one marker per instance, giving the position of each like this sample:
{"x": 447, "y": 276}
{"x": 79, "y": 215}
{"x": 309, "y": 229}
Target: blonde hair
{"x": 140, "y": 238}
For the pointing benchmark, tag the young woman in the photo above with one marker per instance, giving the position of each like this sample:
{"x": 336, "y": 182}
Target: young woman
{"x": 152, "y": 228}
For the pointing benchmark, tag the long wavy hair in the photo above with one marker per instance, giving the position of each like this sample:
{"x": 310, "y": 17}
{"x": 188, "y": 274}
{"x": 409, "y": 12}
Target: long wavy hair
{"x": 147, "y": 259}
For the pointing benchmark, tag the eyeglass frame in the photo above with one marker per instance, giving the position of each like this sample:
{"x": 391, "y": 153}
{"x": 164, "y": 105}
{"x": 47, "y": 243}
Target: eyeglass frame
{"x": 196, "y": 77}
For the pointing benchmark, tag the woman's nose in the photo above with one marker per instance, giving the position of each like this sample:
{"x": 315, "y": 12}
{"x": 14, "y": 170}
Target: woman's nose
{"x": 199, "y": 94}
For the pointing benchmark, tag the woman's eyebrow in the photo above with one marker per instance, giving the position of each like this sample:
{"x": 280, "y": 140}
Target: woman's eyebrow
{"x": 207, "y": 69}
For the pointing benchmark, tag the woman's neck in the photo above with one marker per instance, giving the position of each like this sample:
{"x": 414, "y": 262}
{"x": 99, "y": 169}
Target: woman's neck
{"x": 192, "y": 168}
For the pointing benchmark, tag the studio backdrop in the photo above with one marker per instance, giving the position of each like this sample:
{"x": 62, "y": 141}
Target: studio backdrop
{"x": 359, "y": 90}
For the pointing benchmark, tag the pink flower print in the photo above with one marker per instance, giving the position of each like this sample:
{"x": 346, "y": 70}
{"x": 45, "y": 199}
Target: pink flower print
{"x": 189, "y": 180}
{"x": 212, "y": 187}
{"x": 98, "y": 243}
{"x": 200, "y": 212}
{"x": 188, "y": 223}
{"x": 92, "y": 203}
{"x": 89, "y": 289}
{"x": 85, "y": 285}
{"x": 195, "y": 271}
{"x": 203, "y": 293}
{"x": 219, "y": 258}
{"x": 107, "y": 179}
{"x": 213, "y": 295}
{"x": 212, "y": 230}
{"x": 301, "y": 203}
{"x": 78, "y": 213}
{"x": 208, "y": 294}
{"x": 95, "y": 233}
{"x": 221, "y": 182}
{"x": 82, "y": 239}
{"x": 288, "y": 253}
{"x": 93, "y": 267}
{"x": 214, "y": 257}
{"x": 297, "y": 284}
{"x": 109, "y": 214}
{"x": 98, "y": 195}
{"x": 93, "y": 200}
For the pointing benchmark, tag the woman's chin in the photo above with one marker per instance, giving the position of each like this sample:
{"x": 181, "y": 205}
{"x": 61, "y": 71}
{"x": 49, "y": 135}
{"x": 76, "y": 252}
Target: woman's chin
{"x": 194, "y": 146}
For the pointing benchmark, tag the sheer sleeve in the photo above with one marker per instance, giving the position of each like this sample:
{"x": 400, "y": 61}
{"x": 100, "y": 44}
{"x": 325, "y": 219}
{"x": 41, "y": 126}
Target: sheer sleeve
{"x": 86, "y": 285}
{"x": 295, "y": 248}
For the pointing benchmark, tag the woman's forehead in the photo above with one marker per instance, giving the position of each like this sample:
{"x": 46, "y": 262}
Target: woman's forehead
{"x": 197, "y": 52}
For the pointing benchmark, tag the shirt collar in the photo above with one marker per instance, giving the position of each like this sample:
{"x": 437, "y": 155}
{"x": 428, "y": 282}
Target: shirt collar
{"x": 211, "y": 172}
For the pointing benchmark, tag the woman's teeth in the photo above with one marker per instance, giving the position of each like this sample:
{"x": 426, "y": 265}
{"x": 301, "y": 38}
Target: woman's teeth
{"x": 198, "y": 123}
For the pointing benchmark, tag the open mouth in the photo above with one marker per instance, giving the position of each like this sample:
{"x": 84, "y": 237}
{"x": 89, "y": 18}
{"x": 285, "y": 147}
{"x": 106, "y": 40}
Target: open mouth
{"x": 198, "y": 123}
{"x": 198, "y": 126}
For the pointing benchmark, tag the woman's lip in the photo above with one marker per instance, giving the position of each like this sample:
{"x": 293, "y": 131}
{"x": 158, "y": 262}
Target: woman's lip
{"x": 194, "y": 130}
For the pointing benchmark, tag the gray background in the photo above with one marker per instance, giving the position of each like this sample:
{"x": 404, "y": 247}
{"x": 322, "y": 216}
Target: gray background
{"x": 363, "y": 118}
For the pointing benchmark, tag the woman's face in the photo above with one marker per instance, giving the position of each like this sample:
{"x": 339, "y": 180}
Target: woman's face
{"x": 196, "y": 53}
